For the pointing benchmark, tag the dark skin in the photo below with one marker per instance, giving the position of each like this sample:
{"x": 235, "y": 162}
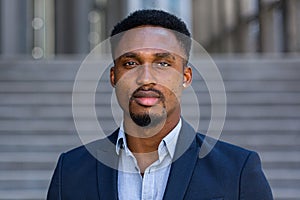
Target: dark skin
{"x": 149, "y": 77}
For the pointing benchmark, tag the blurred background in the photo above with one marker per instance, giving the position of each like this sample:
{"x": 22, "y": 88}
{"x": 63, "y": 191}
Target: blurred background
{"x": 44, "y": 28}
{"x": 255, "y": 44}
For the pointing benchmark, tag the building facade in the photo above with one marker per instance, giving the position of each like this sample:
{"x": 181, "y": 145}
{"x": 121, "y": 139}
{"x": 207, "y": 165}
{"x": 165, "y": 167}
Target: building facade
{"x": 43, "y": 28}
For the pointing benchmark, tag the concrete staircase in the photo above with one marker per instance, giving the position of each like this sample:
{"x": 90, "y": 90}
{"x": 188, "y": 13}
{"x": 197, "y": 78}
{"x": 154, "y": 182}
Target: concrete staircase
{"x": 36, "y": 122}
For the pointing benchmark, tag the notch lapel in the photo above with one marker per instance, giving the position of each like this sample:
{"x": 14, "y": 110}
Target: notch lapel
{"x": 183, "y": 165}
{"x": 107, "y": 168}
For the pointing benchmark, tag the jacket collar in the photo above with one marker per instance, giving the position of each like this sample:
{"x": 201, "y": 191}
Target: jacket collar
{"x": 182, "y": 168}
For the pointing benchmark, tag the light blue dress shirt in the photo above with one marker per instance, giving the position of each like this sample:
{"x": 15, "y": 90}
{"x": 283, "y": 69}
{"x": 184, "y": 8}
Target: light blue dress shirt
{"x": 131, "y": 185}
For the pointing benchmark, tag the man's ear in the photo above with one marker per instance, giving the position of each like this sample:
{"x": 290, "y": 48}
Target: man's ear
{"x": 112, "y": 76}
{"x": 187, "y": 76}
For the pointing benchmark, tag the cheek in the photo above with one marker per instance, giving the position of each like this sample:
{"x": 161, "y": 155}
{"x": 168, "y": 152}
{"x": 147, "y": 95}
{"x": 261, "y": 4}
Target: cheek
{"x": 174, "y": 86}
{"x": 123, "y": 76}
{"x": 172, "y": 92}
{"x": 125, "y": 86}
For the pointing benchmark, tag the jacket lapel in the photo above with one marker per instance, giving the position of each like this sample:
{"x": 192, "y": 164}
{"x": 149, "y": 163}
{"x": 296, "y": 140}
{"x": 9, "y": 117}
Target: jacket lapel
{"x": 184, "y": 162}
{"x": 106, "y": 168}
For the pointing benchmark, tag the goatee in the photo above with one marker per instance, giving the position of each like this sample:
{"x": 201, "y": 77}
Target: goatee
{"x": 147, "y": 120}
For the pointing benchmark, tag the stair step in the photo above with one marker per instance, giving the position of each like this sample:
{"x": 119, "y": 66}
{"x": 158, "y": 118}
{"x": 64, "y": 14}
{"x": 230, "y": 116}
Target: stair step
{"x": 240, "y": 98}
{"x": 28, "y": 157}
{"x": 44, "y": 140}
{"x": 283, "y": 174}
{"x": 25, "y": 194}
{"x": 65, "y": 111}
{"x": 68, "y": 125}
{"x": 25, "y": 175}
{"x": 286, "y": 193}
{"x": 198, "y": 86}
{"x": 279, "y": 156}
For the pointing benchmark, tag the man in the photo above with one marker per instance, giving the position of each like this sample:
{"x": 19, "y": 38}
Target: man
{"x": 155, "y": 153}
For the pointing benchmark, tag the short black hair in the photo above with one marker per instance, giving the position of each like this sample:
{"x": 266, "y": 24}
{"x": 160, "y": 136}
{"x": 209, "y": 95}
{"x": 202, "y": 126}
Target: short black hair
{"x": 153, "y": 18}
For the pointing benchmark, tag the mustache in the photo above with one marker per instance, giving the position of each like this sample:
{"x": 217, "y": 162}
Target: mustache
{"x": 149, "y": 92}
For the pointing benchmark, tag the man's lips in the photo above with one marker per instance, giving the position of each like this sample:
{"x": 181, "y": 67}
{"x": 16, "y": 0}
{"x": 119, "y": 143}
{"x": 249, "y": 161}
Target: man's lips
{"x": 147, "y": 101}
{"x": 146, "y": 98}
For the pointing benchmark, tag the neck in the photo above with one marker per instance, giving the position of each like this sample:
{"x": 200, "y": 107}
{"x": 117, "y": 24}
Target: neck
{"x": 146, "y": 140}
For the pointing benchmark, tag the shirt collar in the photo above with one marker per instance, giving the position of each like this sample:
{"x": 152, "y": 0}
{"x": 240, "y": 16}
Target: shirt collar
{"x": 121, "y": 141}
{"x": 168, "y": 141}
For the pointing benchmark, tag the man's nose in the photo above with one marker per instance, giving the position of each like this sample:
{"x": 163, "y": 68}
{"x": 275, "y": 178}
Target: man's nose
{"x": 146, "y": 75}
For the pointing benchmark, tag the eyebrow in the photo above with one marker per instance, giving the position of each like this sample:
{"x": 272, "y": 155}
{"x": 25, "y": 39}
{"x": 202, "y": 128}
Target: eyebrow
{"x": 129, "y": 55}
{"x": 165, "y": 55}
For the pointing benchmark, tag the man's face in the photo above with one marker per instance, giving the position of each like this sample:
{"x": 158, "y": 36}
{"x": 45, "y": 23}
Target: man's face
{"x": 149, "y": 75}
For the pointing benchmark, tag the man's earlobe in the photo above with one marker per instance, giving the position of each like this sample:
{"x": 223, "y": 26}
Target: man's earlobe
{"x": 112, "y": 77}
{"x": 188, "y": 75}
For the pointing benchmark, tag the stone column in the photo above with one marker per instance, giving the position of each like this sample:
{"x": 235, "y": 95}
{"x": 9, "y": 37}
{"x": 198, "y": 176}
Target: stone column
{"x": 202, "y": 21}
{"x": 291, "y": 23}
{"x": 266, "y": 24}
{"x": 72, "y": 26}
{"x": 16, "y": 30}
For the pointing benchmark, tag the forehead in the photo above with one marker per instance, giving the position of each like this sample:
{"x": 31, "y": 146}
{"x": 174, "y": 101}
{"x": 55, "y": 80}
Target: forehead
{"x": 149, "y": 37}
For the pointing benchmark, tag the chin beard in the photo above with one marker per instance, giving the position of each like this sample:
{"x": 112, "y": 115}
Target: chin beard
{"x": 147, "y": 120}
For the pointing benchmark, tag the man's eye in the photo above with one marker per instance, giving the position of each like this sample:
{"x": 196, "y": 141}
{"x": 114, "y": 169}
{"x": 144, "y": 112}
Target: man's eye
{"x": 163, "y": 64}
{"x": 130, "y": 63}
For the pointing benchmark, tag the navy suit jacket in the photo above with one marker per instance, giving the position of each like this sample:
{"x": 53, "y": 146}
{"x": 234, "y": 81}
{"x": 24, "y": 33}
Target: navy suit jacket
{"x": 228, "y": 172}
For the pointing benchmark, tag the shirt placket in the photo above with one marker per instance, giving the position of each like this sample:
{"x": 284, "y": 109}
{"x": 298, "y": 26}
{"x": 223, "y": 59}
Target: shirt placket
{"x": 148, "y": 185}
